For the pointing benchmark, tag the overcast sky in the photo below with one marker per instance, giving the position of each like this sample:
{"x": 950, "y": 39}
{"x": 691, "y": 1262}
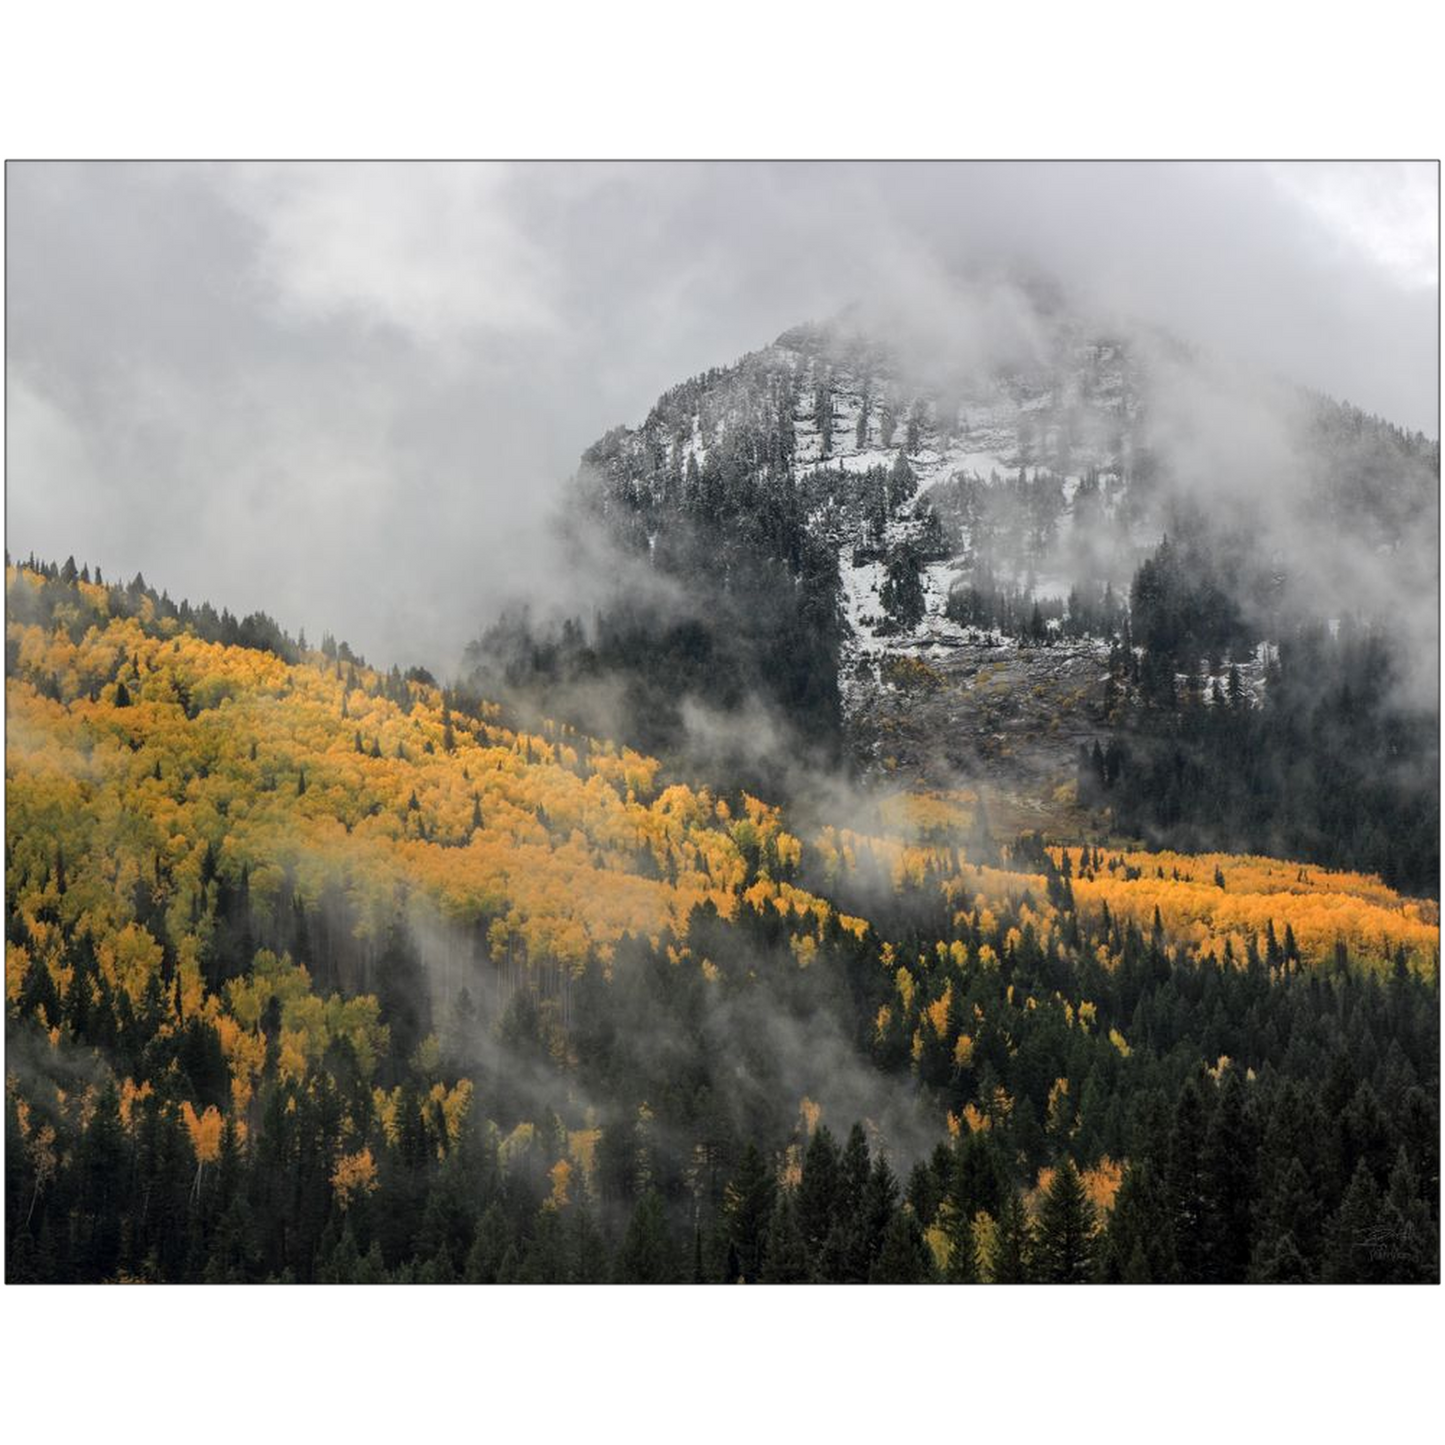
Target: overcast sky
{"x": 348, "y": 394}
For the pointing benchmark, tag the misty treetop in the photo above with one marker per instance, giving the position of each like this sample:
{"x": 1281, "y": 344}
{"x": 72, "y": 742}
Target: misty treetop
{"x": 319, "y": 973}
{"x": 733, "y": 509}
{"x": 1311, "y": 745}
{"x": 789, "y": 531}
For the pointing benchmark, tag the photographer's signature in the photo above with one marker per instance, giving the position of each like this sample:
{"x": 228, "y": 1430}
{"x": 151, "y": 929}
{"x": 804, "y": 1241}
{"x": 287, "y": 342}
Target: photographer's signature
{"x": 1386, "y": 1241}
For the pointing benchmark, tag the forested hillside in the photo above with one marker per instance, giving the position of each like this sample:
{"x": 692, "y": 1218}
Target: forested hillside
{"x": 315, "y": 972}
{"x": 966, "y": 569}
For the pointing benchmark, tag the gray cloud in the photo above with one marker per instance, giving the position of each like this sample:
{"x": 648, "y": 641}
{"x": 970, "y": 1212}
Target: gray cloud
{"x": 351, "y": 394}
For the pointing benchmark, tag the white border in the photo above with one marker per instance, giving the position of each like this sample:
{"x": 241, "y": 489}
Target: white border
{"x": 743, "y": 79}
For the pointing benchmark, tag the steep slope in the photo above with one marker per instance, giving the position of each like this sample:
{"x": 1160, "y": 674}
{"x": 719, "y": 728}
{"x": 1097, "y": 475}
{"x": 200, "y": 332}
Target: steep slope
{"x": 816, "y": 479}
{"x": 1017, "y": 479}
{"x": 306, "y": 962}
{"x": 969, "y": 545}
{"x": 1024, "y": 473}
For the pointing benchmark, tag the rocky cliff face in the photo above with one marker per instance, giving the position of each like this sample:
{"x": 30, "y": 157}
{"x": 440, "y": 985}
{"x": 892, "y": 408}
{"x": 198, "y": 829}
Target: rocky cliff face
{"x": 953, "y": 544}
{"x": 1016, "y": 480}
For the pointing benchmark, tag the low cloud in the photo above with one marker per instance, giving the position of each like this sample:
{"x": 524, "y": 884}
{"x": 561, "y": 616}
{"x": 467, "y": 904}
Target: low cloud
{"x": 351, "y": 394}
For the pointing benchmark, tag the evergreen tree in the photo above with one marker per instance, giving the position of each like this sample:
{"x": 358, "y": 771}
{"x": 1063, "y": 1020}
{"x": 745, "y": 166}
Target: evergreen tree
{"x": 902, "y": 483}
{"x": 1067, "y": 1225}
{"x": 905, "y": 1257}
{"x": 1013, "y": 1245}
{"x": 785, "y": 1260}
{"x": 647, "y": 1254}
{"x": 1229, "y": 1185}
{"x": 962, "y": 1267}
{"x": 1407, "y": 1237}
{"x": 748, "y": 1204}
{"x": 489, "y": 1249}
{"x": 1287, "y": 1232}
{"x": 1358, "y": 1248}
{"x": 818, "y": 1194}
{"x": 856, "y": 1241}
{"x": 902, "y": 594}
{"x": 1185, "y": 1184}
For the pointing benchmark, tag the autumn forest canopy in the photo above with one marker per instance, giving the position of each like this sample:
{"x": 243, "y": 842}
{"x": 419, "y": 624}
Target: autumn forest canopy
{"x": 319, "y": 972}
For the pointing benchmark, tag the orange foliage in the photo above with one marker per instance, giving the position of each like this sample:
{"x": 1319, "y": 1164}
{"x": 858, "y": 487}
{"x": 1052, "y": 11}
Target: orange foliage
{"x": 582, "y": 1146}
{"x": 1101, "y": 1184}
{"x": 560, "y": 1175}
{"x": 205, "y": 1131}
{"x": 534, "y": 838}
{"x": 354, "y": 1176}
{"x": 1321, "y": 907}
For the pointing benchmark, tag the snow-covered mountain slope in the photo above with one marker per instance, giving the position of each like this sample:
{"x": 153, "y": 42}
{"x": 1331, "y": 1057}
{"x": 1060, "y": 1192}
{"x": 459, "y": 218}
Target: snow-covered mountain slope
{"x": 1020, "y": 476}
{"x": 963, "y": 516}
